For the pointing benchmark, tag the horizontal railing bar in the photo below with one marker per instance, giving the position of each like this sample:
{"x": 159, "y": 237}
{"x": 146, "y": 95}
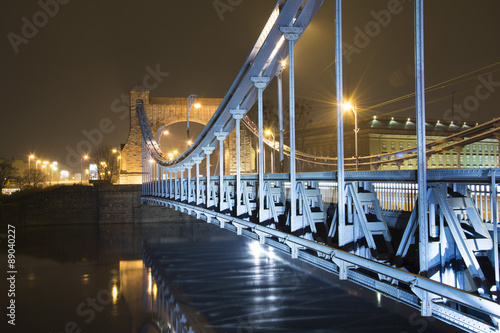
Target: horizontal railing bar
{"x": 472, "y": 176}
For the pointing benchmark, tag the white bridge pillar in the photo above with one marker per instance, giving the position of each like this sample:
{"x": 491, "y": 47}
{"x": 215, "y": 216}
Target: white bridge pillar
{"x": 291, "y": 35}
{"x": 221, "y": 136}
{"x": 208, "y": 150}
{"x": 260, "y": 83}
{"x": 238, "y": 115}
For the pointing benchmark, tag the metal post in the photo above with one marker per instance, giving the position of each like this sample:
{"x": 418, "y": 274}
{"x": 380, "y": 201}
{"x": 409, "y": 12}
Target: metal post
{"x": 208, "y": 151}
{"x": 260, "y": 83}
{"x": 189, "y": 166}
{"x": 292, "y": 34}
{"x": 221, "y": 136}
{"x": 181, "y": 188}
{"x": 421, "y": 157}
{"x": 171, "y": 190}
{"x": 340, "y": 124}
{"x": 238, "y": 115}
{"x": 426, "y": 309}
{"x": 356, "y": 130}
{"x": 494, "y": 220}
{"x": 279, "y": 75}
{"x": 197, "y": 160}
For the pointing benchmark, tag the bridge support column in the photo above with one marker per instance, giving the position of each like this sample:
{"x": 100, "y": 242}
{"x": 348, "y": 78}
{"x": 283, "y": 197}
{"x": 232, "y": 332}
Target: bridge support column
{"x": 150, "y": 177}
{"x": 162, "y": 181}
{"x": 341, "y": 197}
{"x": 208, "y": 150}
{"x": 176, "y": 186}
{"x": 291, "y": 35}
{"x": 189, "y": 167}
{"x": 238, "y": 115}
{"x": 494, "y": 220}
{"x": 181, "y": 188}
{"x": 421, "y": 153}
{"x": 279, "y": 76}
{"x": 171, "y": 189}
{"x": 197, "y": 160}
{"x": 260, "y": 83}
{"x": 221, "y": 136}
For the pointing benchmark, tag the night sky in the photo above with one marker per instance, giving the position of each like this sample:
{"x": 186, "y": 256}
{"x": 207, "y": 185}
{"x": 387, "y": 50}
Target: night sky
{"x": 64, "y": 77}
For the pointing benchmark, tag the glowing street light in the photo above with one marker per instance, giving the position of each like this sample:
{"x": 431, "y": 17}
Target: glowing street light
{"x": 161, "y": 131}
{"x": 348, "y": 106}
{"x": 29, "y": 168}
{"x": 268, "y": 132}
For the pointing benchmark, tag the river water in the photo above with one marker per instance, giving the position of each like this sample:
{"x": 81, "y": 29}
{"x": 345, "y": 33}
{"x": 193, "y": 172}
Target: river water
{"x": 91, "y": 278}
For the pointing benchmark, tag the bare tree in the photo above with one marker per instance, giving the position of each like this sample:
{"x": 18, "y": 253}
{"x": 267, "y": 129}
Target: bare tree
{"x": 31, "y": 179}
{"x": 106, "y": 161}
{"x": 7, "y": 173}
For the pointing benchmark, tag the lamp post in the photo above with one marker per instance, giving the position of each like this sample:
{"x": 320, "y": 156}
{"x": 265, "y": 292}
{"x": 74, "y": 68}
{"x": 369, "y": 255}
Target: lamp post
{"x": 268, "y": 132}
{"x": 348, "y": 106}
{"x": 161, "y": 131}
{"x": 81, "y": 168}
{"x": 191, "y": 101}
{"x": 29, "y": 168}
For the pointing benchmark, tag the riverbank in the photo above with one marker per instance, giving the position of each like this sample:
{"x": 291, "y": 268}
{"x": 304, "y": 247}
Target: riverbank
{"x": 104, "y": 204}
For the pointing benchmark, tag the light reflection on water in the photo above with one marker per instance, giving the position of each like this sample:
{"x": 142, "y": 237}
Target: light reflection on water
{"x": 95, "y": 278}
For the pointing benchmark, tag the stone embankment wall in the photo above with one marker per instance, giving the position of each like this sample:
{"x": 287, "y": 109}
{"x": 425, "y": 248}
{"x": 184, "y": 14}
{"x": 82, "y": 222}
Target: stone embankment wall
{"x": 86, "y": 205}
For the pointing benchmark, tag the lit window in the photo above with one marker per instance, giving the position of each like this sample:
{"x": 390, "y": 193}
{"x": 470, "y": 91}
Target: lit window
{"x": 473, "y": 148}
{"x": 393, "y": 145}
{"x": 467, "y": 148}
{"x": 455, "y": 159}
{"x": 384, "y": 145}
{"x": 410, "y": 145}
{"x": 433, "y": 160}
{"x": 448, "y": 160}
{"x": 440, "y": 160}
{"x": 486, "y": 160}
{"x": 480, "y": 160}
{"x": 401, "y": 145}
{"x": 480, "y": 148}
{"x": 474, "y": 160}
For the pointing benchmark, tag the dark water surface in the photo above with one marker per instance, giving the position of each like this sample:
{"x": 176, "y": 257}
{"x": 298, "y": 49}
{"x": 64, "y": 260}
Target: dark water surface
{"x": 93, "y": 279}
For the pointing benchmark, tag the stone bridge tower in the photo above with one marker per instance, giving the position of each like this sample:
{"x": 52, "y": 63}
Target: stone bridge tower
{"x": 159, "y": 111}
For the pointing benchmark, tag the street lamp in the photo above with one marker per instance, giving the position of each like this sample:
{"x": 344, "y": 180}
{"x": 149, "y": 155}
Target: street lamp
{"x": 268, "y": 132}
{"x": 161, "y": 131}
{"x": 191, "y": 101}
{"x": 348, "y": 106}
{"x": 29, "y": 168}
{"x": 81, "y": 168}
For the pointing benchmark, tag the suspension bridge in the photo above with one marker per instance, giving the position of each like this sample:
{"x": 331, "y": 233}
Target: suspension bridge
{"x": 426, "y": 238}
